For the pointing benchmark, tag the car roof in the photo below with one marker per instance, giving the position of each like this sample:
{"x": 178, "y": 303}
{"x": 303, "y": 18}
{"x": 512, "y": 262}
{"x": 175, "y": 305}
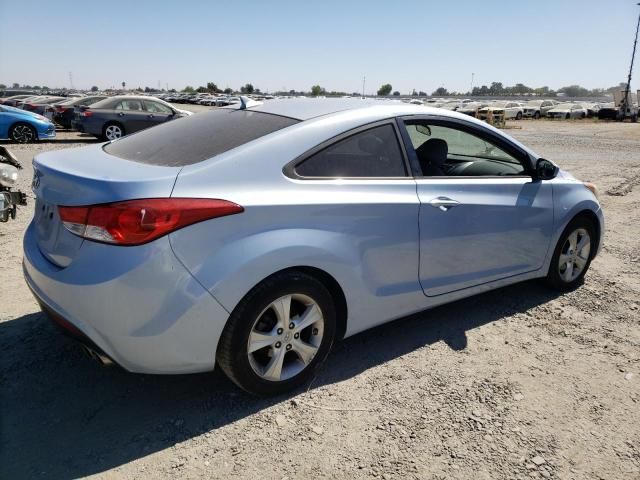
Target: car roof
{"x": 308, "y": 108}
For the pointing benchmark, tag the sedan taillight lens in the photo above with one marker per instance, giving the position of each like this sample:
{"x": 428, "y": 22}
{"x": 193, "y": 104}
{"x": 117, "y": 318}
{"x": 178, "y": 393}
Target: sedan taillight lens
{"x": 135, "y": 222}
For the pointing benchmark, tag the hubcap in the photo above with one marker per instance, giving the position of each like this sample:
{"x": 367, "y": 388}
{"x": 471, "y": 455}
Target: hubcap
{"x": 113, "y": 131}
{"x": 285, "y": 337}
{"x": 22, "y": 134}
{"x": 574, "y": 255}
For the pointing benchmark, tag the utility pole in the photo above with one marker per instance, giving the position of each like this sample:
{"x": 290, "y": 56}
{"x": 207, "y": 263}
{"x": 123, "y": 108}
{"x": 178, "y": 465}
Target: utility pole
{"x": 625, "y": 104}
{"x": 364, "y": 79}
{"x": 471, "y": 90}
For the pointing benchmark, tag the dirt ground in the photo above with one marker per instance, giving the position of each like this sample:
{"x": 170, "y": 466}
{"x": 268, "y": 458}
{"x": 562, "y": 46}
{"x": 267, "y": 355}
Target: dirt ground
{"x": 518, "y": 383}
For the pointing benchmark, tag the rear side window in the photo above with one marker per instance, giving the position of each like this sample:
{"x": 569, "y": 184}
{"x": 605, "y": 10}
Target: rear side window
{"x": 155, "y": 107}
{"x": 196, "y": 138}
{"x": 129, "y": 105}
{"x": 372, "y": 153}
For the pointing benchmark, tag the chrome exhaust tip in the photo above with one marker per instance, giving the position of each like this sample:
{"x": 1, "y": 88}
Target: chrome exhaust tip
{"x": 99, "y": 357}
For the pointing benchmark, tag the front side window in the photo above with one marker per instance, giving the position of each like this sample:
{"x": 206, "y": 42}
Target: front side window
{"x": 131, "y": 105}
{"x": 449, "y": 151}
{"x": 371, "y": 153}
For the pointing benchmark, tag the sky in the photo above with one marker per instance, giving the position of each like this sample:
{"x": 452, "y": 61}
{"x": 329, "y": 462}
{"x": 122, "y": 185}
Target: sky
{"x": 283, "y": 45}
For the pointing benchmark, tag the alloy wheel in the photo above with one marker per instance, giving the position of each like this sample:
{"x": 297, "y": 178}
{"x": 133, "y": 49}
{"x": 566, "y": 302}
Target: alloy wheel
{"x": 574, "y": 255}
{"x": 285, "y": 337}
{"x": 113, "y": 132}
{"x": 22, "y": 134}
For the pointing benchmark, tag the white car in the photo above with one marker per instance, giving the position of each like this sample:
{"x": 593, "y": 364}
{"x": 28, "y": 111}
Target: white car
{"x": 471, "y": 108}
{"x": 511, "y": 110}
{"x": 567, "y": 111}
{"x": 538, "y": 108}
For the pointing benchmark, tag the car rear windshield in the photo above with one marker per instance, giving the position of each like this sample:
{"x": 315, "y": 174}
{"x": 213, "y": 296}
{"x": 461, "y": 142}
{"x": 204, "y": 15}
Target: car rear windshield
{"x": 190, "y": 140}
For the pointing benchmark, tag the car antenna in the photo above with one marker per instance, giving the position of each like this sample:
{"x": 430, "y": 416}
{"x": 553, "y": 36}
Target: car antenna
{"x": 247, "y": 102}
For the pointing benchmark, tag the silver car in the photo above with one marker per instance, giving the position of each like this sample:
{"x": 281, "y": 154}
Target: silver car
{"x": 256, "y": 237}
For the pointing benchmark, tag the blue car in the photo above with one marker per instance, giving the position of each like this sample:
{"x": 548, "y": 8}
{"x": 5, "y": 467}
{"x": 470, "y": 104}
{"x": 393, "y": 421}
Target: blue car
{"x": 24, "y": 127}
{"x": 255, "y": 237}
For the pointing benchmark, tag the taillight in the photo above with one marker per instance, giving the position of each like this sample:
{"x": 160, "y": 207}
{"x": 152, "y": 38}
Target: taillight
{"x": 62, "y": 109}
{"x": 29, "y": 106}
{"x": 87, "y": 113}
{"x": 135, "y": 222}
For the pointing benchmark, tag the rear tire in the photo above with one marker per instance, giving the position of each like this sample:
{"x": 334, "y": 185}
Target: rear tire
{"x": 278, "y": 334}
{"x": 112, "y": 131}
{"x": 572, "y": 255}
{"x": 567, "y": 116}
{"x": 23, "y": 133}
{"x": 519, "y": 116}
{"x": 537, "y": 116}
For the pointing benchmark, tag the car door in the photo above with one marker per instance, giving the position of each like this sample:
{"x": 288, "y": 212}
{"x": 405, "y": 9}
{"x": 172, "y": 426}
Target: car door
{"x": 156, "y": 112}
{"x": 368, "y": 198}
{"x": 483, "y": 218}
{"x": 131, "y": 115}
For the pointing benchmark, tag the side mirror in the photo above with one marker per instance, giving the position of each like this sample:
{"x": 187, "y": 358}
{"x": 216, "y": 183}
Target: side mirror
{"x": 545, "y": 170}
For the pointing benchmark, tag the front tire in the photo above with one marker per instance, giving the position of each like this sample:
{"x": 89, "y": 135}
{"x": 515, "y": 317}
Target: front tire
{"x": 23, "y": 133}
{"x": 573, "y": 254}
{"x": 519, "y": 116}
{"x": 278, "y": 335}
{"x": 537, "y": 116}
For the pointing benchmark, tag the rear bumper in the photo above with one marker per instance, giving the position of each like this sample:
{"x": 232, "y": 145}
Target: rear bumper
{"x": 88, "y": 126}
{"x": 68, "y": 329}
{"x": 135, "y": 305}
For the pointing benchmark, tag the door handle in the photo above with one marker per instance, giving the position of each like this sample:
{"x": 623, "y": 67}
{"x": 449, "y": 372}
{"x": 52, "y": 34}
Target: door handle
{"x": 443, "y": 203}
{"x": 121, "y": 114}
{"x": 150, "y": 115}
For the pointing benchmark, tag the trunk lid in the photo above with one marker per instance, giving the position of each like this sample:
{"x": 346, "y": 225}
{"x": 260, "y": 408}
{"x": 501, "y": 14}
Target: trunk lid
{"x": 87, "y": 176}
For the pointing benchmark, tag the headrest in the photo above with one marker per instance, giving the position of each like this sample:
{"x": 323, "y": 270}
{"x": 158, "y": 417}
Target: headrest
{"x": 434, "y": 150}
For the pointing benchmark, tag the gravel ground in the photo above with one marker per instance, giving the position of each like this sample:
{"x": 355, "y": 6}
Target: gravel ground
{"x": 516, "y": 383}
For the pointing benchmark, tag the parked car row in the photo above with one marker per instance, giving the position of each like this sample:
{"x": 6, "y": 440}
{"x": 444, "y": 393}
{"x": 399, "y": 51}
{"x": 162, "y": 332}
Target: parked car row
{"x": 519, "y": 110}
{"x": 208, "y": 99}
{"x": 27, "y": 118}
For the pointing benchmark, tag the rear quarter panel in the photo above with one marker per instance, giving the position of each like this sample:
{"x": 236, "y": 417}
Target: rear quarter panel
{"x": 364, "y": 235}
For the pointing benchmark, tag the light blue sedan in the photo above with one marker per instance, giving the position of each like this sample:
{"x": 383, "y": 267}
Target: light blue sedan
{"x": 258, "y": 236}
{"x": 22, "y": 126}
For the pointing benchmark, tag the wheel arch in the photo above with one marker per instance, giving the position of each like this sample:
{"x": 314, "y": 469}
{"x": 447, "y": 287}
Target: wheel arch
{"x": 330, "y": 283}
{"x": 21, "y": 122}
{"x": 593, "y": 218}
{"x": 336, "y": 292}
